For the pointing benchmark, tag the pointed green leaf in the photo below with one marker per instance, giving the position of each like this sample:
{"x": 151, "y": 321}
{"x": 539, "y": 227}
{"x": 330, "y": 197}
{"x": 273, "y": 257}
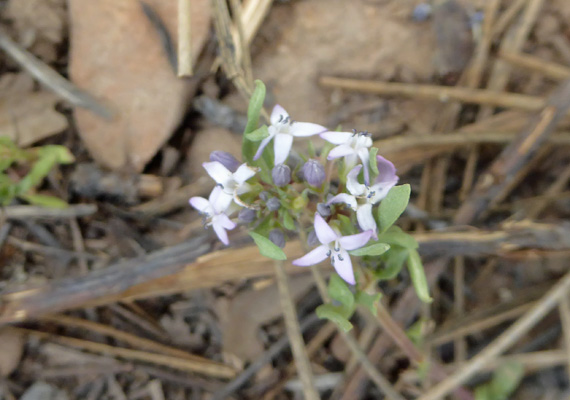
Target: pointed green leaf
{"x": 375, "y": 249}
{"x": 397, "y": 237}
{"x": 506, "y": 379}
{"x": 259, "y": 134}
{"x": 393, "y": 264}
{"x": 339, "y": 290}
{"x": 44, "y": 201}
{"x": 288, "y": 222}
{"x": 418, "y": 276}
{"x": 336, "y": 314}
{"x": 253, "y": 112}
{"x": 368, "y": 300}
{"x": 267, "y": 248}
{"x": 393, "y": 205}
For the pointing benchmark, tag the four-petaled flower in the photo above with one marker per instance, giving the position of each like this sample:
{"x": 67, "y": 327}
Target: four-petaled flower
{"x": 214, "y": 214}
{"x": 351, "y": 146}
{"x": 362, "y": 197}
{"x": 232, "y": 184}
{"x": 283, "y": 129}
{"x": 336, "y": 247}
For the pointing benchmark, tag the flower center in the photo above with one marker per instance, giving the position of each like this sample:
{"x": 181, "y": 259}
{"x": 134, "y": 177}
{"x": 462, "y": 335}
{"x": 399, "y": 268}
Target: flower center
{"x": 334, "y": 252}
{"x": 283, "y": 125}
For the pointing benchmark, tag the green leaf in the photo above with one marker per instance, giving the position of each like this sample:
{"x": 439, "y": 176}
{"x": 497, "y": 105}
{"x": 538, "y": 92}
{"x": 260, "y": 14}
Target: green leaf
{"x": 375, "y": 249}
{"x": 415, "y": 333}
{"x": 397, "y": 237}
{"x": 393, "y": 205}
{"x": 506, "y": 379}
{"x": 394, "y": 262}
{"x": 418, "y": 276}
{"x": 288, "y": 222}
{"x": 336, "y": 314}
{"x": 258, "y": 135}
{"x": 61, "y": 154}
{"x": 339, "y": 290}
{"x": 368, "y": 300}
{"x": 483, "y": 392}
{"x": 267, "y": 248}
{"x": 249, "y": 148}
{"x": 44, "y": 201}
{"x": 373, "y": 161}
{"x": 38, "y": 172}
{"x": 346, "y": 225}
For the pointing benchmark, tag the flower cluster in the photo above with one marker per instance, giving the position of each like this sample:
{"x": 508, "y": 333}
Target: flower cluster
{"x": 280, "y": 188}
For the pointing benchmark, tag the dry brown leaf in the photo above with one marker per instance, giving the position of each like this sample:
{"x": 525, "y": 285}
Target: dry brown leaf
{"x": 117, "y": 55}
{"x": 11, "y": 349}
{"x": 28, "y": 118}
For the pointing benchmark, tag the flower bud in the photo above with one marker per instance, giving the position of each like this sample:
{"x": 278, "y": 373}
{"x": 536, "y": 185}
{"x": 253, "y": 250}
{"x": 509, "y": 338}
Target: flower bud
{"x": 312, "y": 239}
{"x": 247, "y": 215}
{"x": 314, "y": 173}
{"x": 273, "y": 204}
{"x": 226, "y": 159}
{"x": 277, "y": 237}
{"x": 264, "y": 196}
{"x": 281, "y": 175}
{"x": 324, "y": 209}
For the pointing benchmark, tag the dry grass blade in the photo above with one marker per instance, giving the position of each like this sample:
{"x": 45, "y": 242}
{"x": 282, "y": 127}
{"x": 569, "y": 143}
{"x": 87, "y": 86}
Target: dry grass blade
{"x": 25, "y": 212}
{"x": 547, "y": 68}
{"x": 184, "y": 39}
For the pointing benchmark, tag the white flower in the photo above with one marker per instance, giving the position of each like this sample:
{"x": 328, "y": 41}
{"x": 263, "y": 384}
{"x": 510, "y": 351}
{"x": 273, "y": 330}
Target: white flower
{"x": 352, "y": 146}
{"x": 232, "y": 184}
{"x": 283, "y": 129}
{"x": 214, "y": 214}
{"x": 336, "y": 247}
{"x": 362, "y": 197}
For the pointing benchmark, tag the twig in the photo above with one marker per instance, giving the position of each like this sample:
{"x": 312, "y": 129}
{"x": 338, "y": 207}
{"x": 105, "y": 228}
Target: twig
{"x": 507, "y": 17}
{"x": 206, "y": 367}
{"x": 270, "y": 354}
{"x": 52, "y": 80}
{"x": 503, "y": 342}
{"x": 434, "y": 92}
{"x": 514, "y": 156}
{"x": 547, "y": 68}
{"x": 245, "y": 55}
{"x": 550, "y": 194}
{"x": 460, "y": 349}
{"x": 564, "y": 311}
{"x": 24, "y": 212}
{"x": 51, "y": 251}
{"x": 184, "y": 39}
{"x": 294, "y": 332}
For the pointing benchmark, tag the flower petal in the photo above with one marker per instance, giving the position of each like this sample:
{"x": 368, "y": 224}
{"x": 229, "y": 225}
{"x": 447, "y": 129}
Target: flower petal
{"x": 386, "y": 170}
{"x": 381, "y": 190}
{"x": 302, "y": 129}
{"x": 221, "y": 233}
{"x": 340, "y": 151}
{"x": 224, "y": 221}
{"x": 276, "y": 113}
{"x": 282, "y": 146}
{"x": 324, "y": 232}
{"x": 201, "y": 204}
{"x": 353, "y": 242}
{"x": 243, "y": 173}
{"x": 336, "y": 137}
{"x": 364, "y": 156}
{"x": 218, "y": 172}
{"x": 352, "y": 184}
{"x": 343, "y": 267}
{"x": 365, "y": 218}
{"x": 262, "y": 145}
{"x": 313, "y": 257}
{"x": 344, "y": 198}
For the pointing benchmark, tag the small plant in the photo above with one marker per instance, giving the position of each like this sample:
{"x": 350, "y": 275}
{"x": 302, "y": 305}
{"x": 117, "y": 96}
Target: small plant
{"x": 22, "y": 170}
{"x": 342, "y": 201}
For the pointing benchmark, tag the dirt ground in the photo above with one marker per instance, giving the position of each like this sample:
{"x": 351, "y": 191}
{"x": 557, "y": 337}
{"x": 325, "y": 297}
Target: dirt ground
{"x": 124, "y": 295}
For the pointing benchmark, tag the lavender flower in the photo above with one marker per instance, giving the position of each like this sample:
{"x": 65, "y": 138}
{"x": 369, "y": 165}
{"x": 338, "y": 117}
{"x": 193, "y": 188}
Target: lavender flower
{"x": 362, "y": 197}
{"x": 336, "y": 247}
{"x": 352, "y": 146}
{"x": 314, "y": 172}
{"x": 232, "y": 184}
{"x": 214, "y": 215}
{"x": 284, "y": 129}
{"x": 281, "y": 175}
{"x": 273, "y": 204}
{"x": 226, "y": 159}
{"x": 277, "y": 237}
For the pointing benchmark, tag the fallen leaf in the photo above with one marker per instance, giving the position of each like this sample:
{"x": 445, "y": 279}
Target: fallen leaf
{"x": 44, "y": 391}
{"x": 28, "y": 118}
{"x": 11, "y": 349}
{"x": 117, "y": 56}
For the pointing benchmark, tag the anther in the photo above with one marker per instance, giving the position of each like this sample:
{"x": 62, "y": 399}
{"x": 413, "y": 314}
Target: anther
{"x": 332, "y": 261}
{"x": 337, "y": 249}
{"x": 329, "y": 253}
{"x": 340, "y": 258}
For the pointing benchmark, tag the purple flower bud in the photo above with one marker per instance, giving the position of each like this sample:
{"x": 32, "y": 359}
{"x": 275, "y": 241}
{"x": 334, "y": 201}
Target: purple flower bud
{"x": 247, "y": 215}
{"x": 314, "y": 173}
{"x": 226, "y": 159}
{"x": 422, "y": 12}
{"x": 264, "y": 196}
{"x": 281, "y": 175}
{"x": 312, "y": 239}
{"x": 324, "y": 209}
{"x": 273, "y": 204}
{"x": 277, "y": 237}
